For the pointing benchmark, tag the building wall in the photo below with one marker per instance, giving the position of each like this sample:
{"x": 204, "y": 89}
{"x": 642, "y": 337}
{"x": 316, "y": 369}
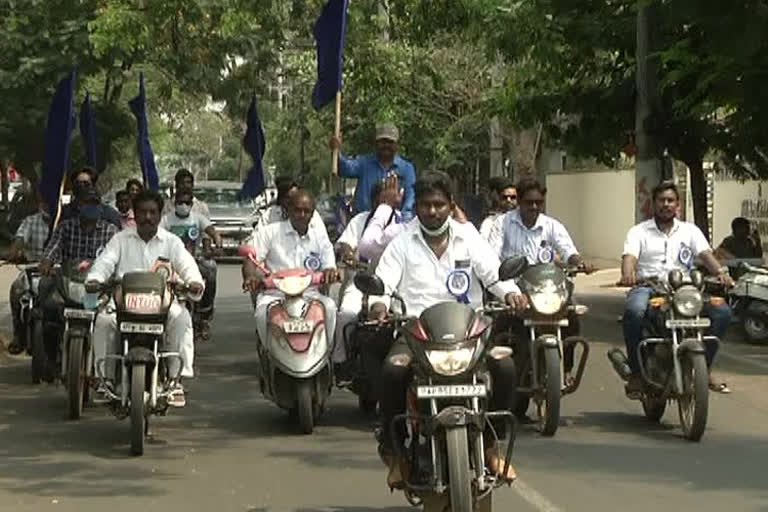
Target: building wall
{"x": 597, "y": 207}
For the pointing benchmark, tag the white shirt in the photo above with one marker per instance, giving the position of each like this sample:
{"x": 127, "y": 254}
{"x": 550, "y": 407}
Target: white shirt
{"x": 281, "y": 247}
{"x": 354, "y": 230}
{"x": 657, "y": 252}
{"x": 127, "y": 252}
{"x": 410, "y": 267}
{"x": 487, "y": 225}
{"x": 509, "y": 236}
{"x": 189, "y": 229}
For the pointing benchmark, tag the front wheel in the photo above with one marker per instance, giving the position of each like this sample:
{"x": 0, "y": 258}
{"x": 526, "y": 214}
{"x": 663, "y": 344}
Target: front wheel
{"x": 138, "y": 418}
{"x": 76, "y": 376}
{"x": 653, "y": 407}
{"x": 459, "y": 479}
{"x": 693, "y": 404}
{"x": 756, "y": 329}
{"x": 39, "y": 355}
{"x": 549, "y": 409}
{"x": 304, "y": 406}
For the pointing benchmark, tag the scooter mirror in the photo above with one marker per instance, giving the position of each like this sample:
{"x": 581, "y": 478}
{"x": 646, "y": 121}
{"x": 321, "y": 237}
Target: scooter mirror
{"x": 369, "y": 284}
{"x": 512, "y": 267}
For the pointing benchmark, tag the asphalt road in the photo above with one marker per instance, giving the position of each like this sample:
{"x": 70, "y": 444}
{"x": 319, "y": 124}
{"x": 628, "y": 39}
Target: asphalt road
{"x": 230, "y": 450}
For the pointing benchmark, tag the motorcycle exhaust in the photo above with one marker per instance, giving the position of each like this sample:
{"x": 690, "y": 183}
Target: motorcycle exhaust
{"x": 620, "y": 363}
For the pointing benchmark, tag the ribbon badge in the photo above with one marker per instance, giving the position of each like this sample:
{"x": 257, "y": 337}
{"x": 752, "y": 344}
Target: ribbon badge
{"x": 313, "y": 262}
{"x": 686, "y": 256}
{"x": 193, "y": 233}
{"x": 458, "y": 284}
{"x": 546, "y": 255}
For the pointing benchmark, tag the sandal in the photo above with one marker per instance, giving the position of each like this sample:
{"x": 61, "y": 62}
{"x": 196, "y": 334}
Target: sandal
{"x": 721, "y": 387}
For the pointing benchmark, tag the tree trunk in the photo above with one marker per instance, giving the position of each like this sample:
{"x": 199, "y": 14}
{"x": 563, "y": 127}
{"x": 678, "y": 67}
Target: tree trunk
{"x": 699, "y": 193}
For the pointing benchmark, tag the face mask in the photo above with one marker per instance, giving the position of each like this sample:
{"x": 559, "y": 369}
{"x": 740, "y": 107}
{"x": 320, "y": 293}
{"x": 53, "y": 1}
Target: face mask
{"x": 81, "y": 187}
{"x": 436, "y": 232}
{"x": 90, "y": 211}
{"x": 183, "y": 210}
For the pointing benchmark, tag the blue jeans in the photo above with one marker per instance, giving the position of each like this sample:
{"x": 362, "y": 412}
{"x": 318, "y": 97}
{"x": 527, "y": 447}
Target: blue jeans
{"x": 634, "y": 314}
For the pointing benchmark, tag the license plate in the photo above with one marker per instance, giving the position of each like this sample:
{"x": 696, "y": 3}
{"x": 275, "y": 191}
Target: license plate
{"x": 297, "y": 327}
{"x": 80, "y": 314}
{"x": 230, "y": 244}
{"x": 454, "y": 391}
{"x": 148, "y": 302}
{"x": 688, "y": 323}
{"x": 138, "y": 328}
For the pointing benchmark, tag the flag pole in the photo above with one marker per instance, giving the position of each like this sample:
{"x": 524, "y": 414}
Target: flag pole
{"x": 60, "y": 206}
{"x": 337, "y": 133}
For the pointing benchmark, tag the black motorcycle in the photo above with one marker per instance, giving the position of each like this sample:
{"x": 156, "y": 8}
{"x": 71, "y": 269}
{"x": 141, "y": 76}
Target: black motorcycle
{"x": 447, "y": 409}
{"x": 672, "y": 352}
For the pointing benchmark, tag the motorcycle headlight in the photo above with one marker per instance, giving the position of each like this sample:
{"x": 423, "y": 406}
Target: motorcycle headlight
{"x": 688, "y": 301}
{"x": 450, "y": 362}
{"x": 547, "y": 303}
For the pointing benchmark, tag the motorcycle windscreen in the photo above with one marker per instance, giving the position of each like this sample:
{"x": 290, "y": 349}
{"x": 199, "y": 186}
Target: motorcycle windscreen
{"x": 537, "y": 275}
{"x": 447, "y": 322}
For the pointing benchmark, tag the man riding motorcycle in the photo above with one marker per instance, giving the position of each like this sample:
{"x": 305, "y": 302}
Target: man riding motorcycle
{"x": 27, "y": 246}
{"x": 189, "y": 226}
{"x": 290, "y": 244}
{"x": 503, "y": 199}
{"x": 83, "y": 183}
{"x": 418, "y": 265}
{"x": 651, "y": 250}
{"x": 74, "y": 240}
{"x": 137, "y": 249}
{"x": 529, "y": 232}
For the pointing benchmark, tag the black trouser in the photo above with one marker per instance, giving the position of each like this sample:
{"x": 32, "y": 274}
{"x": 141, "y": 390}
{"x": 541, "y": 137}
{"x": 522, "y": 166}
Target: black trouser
{"x": 521, "y": 336}
{"x": 374, "y": 343}
{"x": 208, "y": 270}
{"x": 395, "y": 381}
{"x": 52, "y": 307}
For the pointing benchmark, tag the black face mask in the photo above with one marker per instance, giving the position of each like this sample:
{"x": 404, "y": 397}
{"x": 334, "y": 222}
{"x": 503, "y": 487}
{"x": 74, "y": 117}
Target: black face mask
{"x": 82, "y": 188}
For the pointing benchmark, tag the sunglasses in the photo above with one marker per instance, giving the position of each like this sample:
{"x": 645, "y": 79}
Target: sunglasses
{"x": 188, "y": 203}
{"x": 512, "y": 197}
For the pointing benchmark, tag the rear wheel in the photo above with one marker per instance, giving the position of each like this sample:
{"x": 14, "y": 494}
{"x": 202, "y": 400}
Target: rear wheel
{"x": 459, "y": 478}
{"x": 549, "y": 408}
{"x": 304, "y": 406}
{"x": 39, "y": 355}
{"x": 693, "y": 405}
{"x": 756, "y": 329}
{"x": 138, "y": 418}
{"x": 76, "y": 376}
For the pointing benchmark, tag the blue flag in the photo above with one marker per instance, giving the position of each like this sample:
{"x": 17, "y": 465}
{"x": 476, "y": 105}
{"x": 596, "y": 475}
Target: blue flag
{"x": 146, "y": 157}
{"x": 88, "y": 131}
{"x": 255, "y": 144}
{"x": 329, "y": 33}
{"x": 58, "y": 132}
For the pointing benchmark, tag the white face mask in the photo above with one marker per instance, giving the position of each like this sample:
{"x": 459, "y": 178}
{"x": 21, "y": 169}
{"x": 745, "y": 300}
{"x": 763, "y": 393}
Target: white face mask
{"x": 182, "y": 210}
{"x": 436, "y": 232}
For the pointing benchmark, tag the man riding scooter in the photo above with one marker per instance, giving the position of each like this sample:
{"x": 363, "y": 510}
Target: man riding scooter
{"x": 419, "y": 266}
{"x": 190, "y": 226}
{"x": 652, "y": 249}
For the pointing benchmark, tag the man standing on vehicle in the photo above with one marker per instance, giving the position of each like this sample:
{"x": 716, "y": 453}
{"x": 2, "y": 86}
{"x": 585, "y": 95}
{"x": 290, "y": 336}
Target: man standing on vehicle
{"x": 369, "y": 169}
{"x": 526, "y": 231}
{"x": 419, "y": 265}
{"x": 136, "y": 250}
{"x": 27, "y": 246}
{"x": 652, "y": 249}
{"x": 292, "y": 244}
{"x": 503, "y": 199}
{"x": 190, "y": 227}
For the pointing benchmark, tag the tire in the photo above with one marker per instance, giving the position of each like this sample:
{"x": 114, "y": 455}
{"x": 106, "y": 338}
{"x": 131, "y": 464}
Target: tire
{"x": 76, "y": 375}
{"x": 138, "y": 419}
{"x": 756, "y": 329}
{"x": 459, "y": 479}
{"x": 653, "y": 407}
{"x": 39, "y": 355}
{"x": 550, "y": 415}
{"x": 304, "y": 406}
{"x": 693, "y": 406}
{"x": 366, "y": 404}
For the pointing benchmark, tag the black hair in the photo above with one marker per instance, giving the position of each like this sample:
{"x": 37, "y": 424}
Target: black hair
{"x": 121, "y": 193}
{"x": 303, "y": 192}
{"x": 499, "y": 183}
{"x": 90, "y": 171}
{"x": 149, "y": 195}
{"x": 183, "y": 173}
{"x": 434, "y": 181}
{"x": 525, "y": 185}
{"x": 663, "y": 187}
{"x": 185, "y": 191}
{"x": 739, "y": 221}
{"x": 284, "y": 184}
{"x": 134, "y": 181}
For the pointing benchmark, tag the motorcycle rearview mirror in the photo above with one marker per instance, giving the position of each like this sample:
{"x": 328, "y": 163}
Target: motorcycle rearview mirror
{"x": 697, "y": 278}
{"x": 512, "y": 267}
{"x": 675, "y": 278}
{"x": 368, "y": 283}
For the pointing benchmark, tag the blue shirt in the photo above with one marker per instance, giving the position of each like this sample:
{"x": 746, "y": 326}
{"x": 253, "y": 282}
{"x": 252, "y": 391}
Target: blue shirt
{"x": 368, "y": 171}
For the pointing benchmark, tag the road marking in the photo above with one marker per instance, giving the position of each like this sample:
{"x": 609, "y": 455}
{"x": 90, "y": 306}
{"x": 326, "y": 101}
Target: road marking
{"x": 534, "y": 497}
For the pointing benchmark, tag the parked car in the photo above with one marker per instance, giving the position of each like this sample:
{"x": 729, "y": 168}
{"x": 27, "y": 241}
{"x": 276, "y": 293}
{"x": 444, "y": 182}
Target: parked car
{"x": 234, "y": 219}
